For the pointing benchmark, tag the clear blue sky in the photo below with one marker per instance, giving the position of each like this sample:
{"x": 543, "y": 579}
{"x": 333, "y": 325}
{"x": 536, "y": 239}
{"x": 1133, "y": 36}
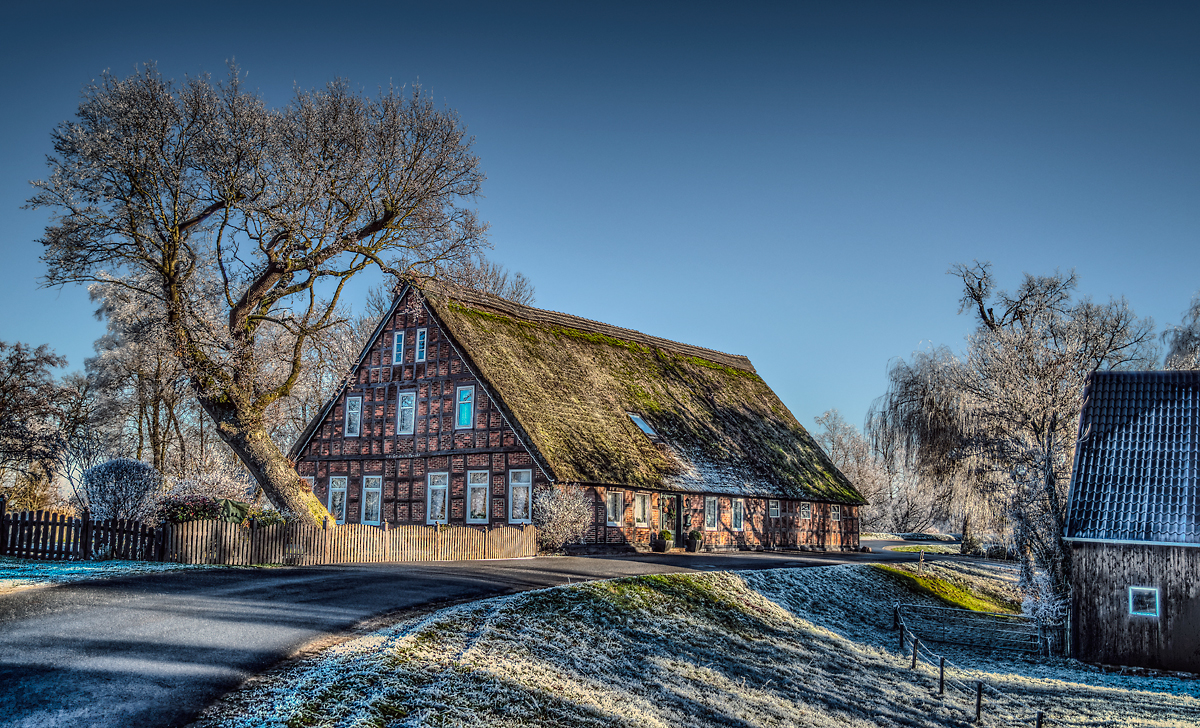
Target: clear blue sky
{"x": 786, "y": 181}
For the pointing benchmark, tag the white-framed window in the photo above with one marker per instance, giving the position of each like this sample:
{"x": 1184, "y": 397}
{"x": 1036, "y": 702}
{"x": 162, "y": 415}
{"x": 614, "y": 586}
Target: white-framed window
{"x": 353, "y": 417}
{"x": 520, "y": 496}
{"x": 737, "y": 514}
{"x": 477, "y": 496}
{"x": 421, "y": 336}
{"x": 616, "y": 507}
{"x": 641, "y": 510}
{"x": 406, "y": 413}
{"x": 398, "y": 347}
{"x": 835, "y": 512}
{"x": 437, "y": 498}
{"x": 464, "y": 408}
{"x": 806, "y": 511}
{"x": 773, "y": 509}
{"x": 1143, "y": 601}
{"x": 712, "y": 513}
{"x": 337, "y": 498}
{"x": 372, "y": 499}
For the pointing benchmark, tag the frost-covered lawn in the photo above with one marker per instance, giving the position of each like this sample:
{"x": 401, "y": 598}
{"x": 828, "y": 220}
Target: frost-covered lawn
{"x": 931, "y": 548}
{"x": 31, "y": 572}
{"x": 885, "y": 536}
{"x": 787, "y": 647}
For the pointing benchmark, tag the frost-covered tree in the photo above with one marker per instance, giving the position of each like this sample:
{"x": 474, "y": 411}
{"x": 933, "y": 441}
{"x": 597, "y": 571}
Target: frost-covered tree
{"x": 1183, "y": 341}
{"x": 562, "y": 516}
{"x": 30, "y": 406}
{"x": 244, "y": 224}
{"x": 123, "y": 488}
{"x": 999, "y": 421}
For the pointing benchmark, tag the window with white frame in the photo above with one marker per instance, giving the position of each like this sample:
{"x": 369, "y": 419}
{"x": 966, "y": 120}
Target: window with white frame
{"x": 421, "y": 336}
{"x": 337, "y": 498}
{"x": 835, "y": 512}
{"x": 437, "y": 498}
{"x": 520, "y": 496}
{"x": 806, "y": 511}
{"x": 773, "y": 509}
{"x": 353, "y": 425}
{"x": 1143, "y": 601}
{"x": 406, "y": 413}
{"x": 737, "y": 514}
{"x": 477, "y": 496}
{"x": 711, "y": 514}
{"x": 615, "y": 500}
{"x": 372, "y": 499}
{"x": 641, "y": 510}
{"x": 398, "y": 347}
{"x": 464, "y": 413}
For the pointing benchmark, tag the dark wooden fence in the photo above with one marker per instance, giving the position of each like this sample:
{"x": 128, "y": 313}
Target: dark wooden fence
{"x": 986, "y": 630}
{"x": 42, "y": 535}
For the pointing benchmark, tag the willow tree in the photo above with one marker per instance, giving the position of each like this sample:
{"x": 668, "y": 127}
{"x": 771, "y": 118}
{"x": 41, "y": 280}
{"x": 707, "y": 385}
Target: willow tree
{"x": 241, "y": 224}
{"x": 998, "y": 422}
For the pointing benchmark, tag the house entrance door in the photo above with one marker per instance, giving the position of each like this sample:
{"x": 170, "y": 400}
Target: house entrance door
{"x": 672, "y": 517}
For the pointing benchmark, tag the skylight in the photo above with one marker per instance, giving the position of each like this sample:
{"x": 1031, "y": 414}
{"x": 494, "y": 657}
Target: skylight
{"x": 637, "y": 420}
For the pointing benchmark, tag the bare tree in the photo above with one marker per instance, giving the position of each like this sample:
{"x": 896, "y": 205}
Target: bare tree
{"x": 1183, "y": 341}
{"x": 243, "y": 224}
{"x": 562, "y": 515}
{"x": 999, "y": 422}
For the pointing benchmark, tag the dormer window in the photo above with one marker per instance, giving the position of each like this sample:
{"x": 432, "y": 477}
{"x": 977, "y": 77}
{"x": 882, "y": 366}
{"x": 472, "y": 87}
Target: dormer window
{"x": 637, "y": 420}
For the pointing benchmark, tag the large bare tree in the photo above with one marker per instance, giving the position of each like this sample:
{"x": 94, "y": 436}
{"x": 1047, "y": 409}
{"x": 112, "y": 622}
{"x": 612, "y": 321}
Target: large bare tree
{"x": 242, "y": 224}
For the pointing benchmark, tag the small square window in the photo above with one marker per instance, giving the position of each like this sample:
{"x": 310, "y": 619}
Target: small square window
{"x": 421, "y": 336}
{"x": 353, "y": 426}
{"x": 806, "y": 511}
{"x": 835, "y": 512}
{"x": 773, "y": 509}
{"x": 398, "y": 347}
{"x": 615, "y": 501}
{"x": 1143, "y": 601}
{"x": 711, "y": 514}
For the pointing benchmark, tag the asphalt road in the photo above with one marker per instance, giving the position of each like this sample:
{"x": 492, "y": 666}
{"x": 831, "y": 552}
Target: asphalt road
{"x": 154, "y": 650}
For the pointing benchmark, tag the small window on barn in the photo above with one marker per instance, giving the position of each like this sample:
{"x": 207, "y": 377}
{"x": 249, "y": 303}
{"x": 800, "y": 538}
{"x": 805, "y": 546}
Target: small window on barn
{"x": 353, "y": 416}
{"x": 437, "y": 507}
{"x": 773, "y": 509}
{"x": 477, "y": 496}
{"x": 616, "y": 507}
{"x": 520, "y": 495}
{"x": 711, "y": 515}
{"x": 406, "y": 415}
{"x": 464, "y": 418}
{"x": 372, "y": 495}
{"x": 398, "y": 347}
{"x": 337, "y": 498}
{"x": 641, "y": 510}
{"x": 637, "y": 420}
{"x": 835, "y": 512}
{"x": 737, "y": 516}
{"x": 1143, "y": 601}
{"x": 421, "y": 335}
{"x": 806, "y": 511}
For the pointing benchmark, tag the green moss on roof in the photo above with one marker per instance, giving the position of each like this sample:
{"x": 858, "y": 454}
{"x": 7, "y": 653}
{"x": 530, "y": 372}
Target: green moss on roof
{"x": 570, "y": 388}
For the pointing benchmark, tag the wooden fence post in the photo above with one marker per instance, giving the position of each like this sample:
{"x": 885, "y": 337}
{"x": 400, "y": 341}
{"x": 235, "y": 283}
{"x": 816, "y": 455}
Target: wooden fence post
{"x": 3, "y": 525}
{"x": 85, "y": 535}
{"x": 896, "y": 617}
{"x": 916, "y": 646}
{"x": 1040, "y": 716}
{"x": 978, "y": 700}
{"x": 902, "y": 631}
{"x": 942, "y": 676}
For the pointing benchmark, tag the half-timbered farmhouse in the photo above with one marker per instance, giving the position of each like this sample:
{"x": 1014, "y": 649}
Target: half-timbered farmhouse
{"x": 1134, "y": 521}
{"x": 463, "y": 405}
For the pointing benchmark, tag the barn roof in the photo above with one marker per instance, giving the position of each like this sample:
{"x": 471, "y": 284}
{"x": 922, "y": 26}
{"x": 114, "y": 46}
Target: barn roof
{"x": 571, "y": 385}
{"x": 1136, "y": 462}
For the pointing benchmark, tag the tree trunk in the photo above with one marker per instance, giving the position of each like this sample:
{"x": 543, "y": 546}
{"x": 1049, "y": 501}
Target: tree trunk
{"x": 270, "y": 467}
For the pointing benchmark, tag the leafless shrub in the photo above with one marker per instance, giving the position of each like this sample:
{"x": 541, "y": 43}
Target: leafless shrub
{"x": 562, "y": 516}
{"x": 123, "y": 488}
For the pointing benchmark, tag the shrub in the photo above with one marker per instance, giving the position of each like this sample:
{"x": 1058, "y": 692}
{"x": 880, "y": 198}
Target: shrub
{"x": 562, "y": 516}
{"x": 696, "y": 535}
{"x": 181, "y": 509}
{"x": 123, "y": 488}
{"x": 666, "y": 535}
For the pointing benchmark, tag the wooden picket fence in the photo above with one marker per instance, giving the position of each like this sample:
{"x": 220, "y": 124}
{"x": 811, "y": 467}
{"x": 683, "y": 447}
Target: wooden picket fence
{"x": 44, "y": 535}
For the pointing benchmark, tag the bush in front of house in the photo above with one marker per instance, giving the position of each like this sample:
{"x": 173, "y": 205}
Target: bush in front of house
{"x": 562, "y": 516}
{"x": 122, "y": 488}
{"x": 184, "y": 508}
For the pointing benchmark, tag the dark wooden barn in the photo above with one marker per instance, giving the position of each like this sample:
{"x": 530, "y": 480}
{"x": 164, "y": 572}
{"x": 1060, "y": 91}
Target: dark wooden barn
{"x": 463, "y": 405}
{"x": 1133, "y": 522}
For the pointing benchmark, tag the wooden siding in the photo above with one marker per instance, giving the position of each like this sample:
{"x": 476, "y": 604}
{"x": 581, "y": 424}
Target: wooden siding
{"x": 1102, "y": 630}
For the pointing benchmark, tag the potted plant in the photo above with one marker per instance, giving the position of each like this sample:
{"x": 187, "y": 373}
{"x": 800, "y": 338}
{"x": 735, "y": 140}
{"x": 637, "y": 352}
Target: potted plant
{"x": 695, "y": 538}
{"x": 665, "y": 542}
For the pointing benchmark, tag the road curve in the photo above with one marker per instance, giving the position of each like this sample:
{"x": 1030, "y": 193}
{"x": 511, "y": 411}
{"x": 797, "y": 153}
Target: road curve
{"x": 154, "y": 650}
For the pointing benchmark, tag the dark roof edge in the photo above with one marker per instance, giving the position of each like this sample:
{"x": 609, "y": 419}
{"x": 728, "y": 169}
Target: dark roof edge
{"x": 537, "y": 315}
{"x": 1130, "y": 542}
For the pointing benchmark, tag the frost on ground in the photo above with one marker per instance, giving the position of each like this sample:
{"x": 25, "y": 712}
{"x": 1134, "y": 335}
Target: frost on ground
{"x": 788, "y": 647}
{"x": 30, "y": 572}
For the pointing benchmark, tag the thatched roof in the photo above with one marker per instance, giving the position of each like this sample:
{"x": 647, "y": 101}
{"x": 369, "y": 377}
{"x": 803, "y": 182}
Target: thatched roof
{"x": 570, "y": 384}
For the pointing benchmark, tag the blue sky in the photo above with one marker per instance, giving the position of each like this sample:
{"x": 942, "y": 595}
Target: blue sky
{"x": 786, "y": 181}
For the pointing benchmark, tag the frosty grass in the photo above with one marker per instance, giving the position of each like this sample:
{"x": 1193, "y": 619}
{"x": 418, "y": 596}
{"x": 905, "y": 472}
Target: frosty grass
{"x": 786, "y": 647}
{"x": 28, "y": 572}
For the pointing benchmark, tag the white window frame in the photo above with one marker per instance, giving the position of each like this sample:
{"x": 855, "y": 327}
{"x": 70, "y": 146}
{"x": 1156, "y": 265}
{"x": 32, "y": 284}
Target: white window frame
{"x": 412, "y": 425}
{"x": 486, "y": 486}
{"x": 713, "y": 504}
{"x": 806, "y": 510}
{"x": 337, "y": 483}
{"x": 346, "y": 418}
{"x": 835, "y": 512}
{"x": 773, "y": 509}
{"x": 737, "y": 514}
{"x": 372, "y": 483}
{"x": 429, "y": 488}
{"x": 398, "y": 348}
{"x": 641, "y": 502}
{"x": 609, "y": 501}
{"x": 512, "y": 487}
{"x": 1146, "y": 590}
{"x": 458, "y": 403}
{"x": 422, "y": 345}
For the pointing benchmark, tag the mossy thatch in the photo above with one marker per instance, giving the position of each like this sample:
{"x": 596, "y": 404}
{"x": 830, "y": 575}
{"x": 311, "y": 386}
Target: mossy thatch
{"x": 570, "y": 384}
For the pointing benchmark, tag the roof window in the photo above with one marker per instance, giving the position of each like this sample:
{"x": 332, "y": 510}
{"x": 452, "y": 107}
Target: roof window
{"x": 637, "y": 420}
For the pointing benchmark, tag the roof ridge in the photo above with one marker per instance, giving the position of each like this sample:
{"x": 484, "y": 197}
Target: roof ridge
{"x": 539, "y": 315}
